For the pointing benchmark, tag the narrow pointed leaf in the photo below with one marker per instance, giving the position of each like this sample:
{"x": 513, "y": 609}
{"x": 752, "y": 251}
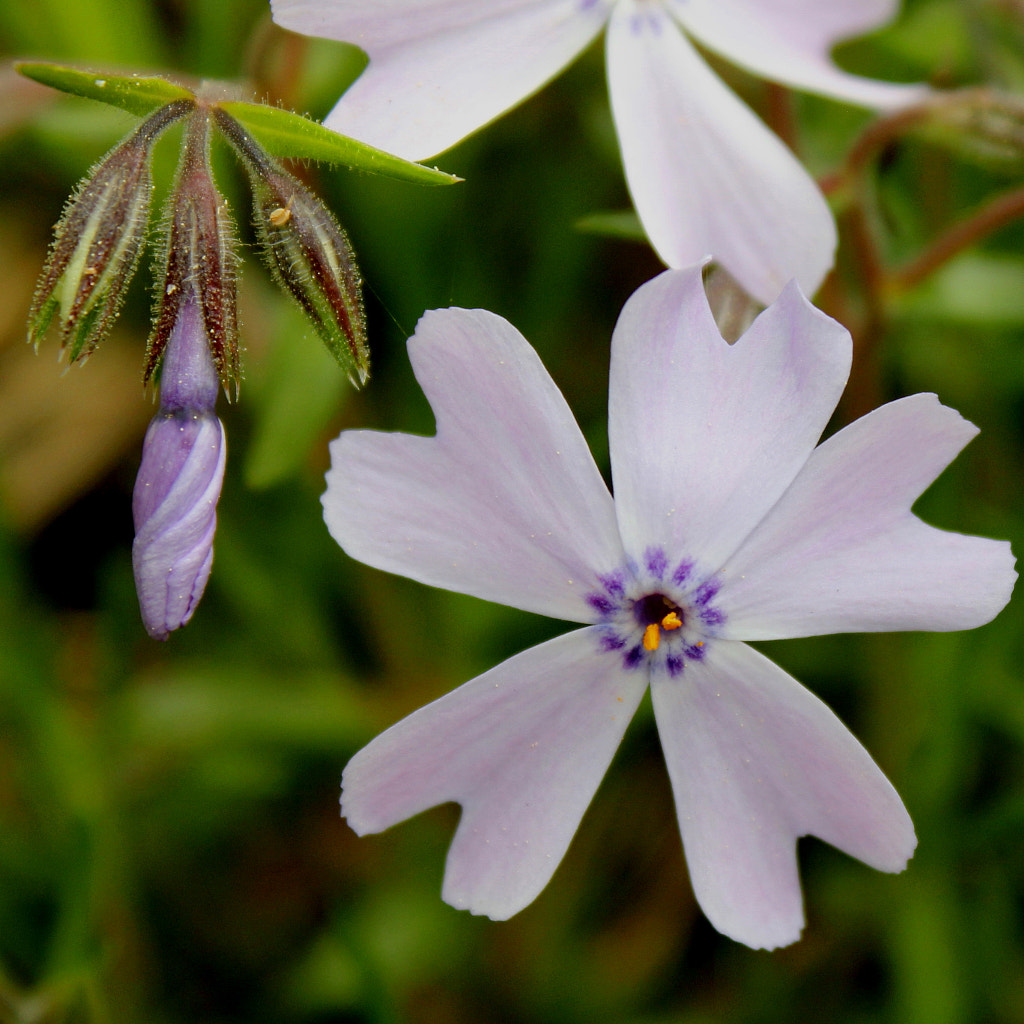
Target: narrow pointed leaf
{"x": 290, "y": 135}
{"x": 134, "y": 93}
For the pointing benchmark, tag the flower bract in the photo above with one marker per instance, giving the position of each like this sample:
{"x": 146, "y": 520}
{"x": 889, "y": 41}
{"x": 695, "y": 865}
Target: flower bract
{"x": 728, "y": 525}
{"x": 706, "y": 175}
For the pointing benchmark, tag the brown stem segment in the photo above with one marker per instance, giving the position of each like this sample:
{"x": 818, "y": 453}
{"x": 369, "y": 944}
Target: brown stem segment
{"x": 993, "y": 215}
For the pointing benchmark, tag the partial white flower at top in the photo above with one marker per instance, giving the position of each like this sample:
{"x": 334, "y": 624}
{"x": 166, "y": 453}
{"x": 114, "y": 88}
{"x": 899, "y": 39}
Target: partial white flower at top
{"x": 728, "y": 524}
{"x": 706, "y": 175}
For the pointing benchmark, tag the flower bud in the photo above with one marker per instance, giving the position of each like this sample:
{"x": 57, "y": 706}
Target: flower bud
{"x": 98, "y": 241}
{"x": 306, "y": 250}
{"x": 179, "y": 481}
{"x": 199, "y": 259}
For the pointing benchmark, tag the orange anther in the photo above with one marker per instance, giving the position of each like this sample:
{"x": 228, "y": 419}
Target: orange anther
{"x": 652, "y": 637}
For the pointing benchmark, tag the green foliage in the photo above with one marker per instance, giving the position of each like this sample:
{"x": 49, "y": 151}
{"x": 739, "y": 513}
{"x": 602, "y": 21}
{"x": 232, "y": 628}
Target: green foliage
{"x": 286, "y": 134}
{"x": 136, "y": 94}
{"x": 282, "y": 133}
{"x": 170, "y": 845}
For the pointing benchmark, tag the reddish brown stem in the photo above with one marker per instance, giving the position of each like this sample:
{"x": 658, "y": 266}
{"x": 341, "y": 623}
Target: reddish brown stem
{"x": 993, "y": 215}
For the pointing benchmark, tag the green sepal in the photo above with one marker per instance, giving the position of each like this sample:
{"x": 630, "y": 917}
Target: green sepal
{"x": 289, "y": 135}
{"x": 134, "y": 93}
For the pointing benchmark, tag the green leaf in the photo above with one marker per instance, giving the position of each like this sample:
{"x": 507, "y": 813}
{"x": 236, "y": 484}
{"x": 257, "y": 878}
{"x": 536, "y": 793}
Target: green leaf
{"x": 137, "y": 95}
{"x": 296, "y": 394}
{"x": 623, "y": 224}
{"x": 290, "y": 135}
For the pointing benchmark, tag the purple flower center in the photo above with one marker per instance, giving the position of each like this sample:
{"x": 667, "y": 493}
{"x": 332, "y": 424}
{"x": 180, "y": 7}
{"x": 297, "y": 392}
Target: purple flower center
{"x": 656, "y": 614}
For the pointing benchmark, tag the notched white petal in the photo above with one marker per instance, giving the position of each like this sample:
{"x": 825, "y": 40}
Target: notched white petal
{"x": 757, "y": 761}
{"x": 707, "y": 177}
{"x": 522, "y": 748}
{"x": 504, "y": 503}
{"x": 706, "y": 436}
{"x": 841, "y": 551}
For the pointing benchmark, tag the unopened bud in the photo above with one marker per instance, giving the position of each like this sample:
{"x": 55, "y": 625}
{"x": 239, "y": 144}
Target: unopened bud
{"x": 98, "y": 241}
{"x": 307, "y": 251}
{"x": 179, "y": 481}
{"x": 200, "y": 262}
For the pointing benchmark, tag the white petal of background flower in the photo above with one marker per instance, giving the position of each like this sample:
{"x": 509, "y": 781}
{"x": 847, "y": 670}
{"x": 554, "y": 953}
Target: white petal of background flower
{"x": 706, "y": 176}
{"x": 705, "y": 436}
{"x": 522, "y": 748}
{"x": 841, "y": 551}
{"x": 441, "y": 69}
{"x": 505, "y": 503}
{"x": 790, "y": 41}
{"x": 756, "y": 761}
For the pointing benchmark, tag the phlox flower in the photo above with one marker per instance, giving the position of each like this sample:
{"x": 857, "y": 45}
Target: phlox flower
{"x": 706, "y": 175}
{"x": 727, "y": 525}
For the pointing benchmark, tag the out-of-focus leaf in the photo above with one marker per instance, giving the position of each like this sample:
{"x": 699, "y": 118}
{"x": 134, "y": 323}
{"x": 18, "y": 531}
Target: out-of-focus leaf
{"x": 981, "y": 125}
{"x": 210, "y": 708}
{"x": 134, "y": 93}
{"x": 624, "y": 224}
{"x": 291, "y": 135}
{"x": 976, "y": 288}
{"x": 298, "y": 390}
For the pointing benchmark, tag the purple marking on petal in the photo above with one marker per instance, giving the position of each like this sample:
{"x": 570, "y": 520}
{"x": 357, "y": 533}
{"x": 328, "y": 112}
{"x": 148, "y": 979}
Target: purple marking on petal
{"x": 601, "y": 604}
{"x": 705, "y": 592}
{"x": 648, "y": 19}
{"x": 712, "y": 616}
{"x": 682, "y": 572}
{"x": 696, "y": 652}
{"x": 674, "y": 664}
{"x": 656, "y": 561}
{"x": 633, "y": 657}
{"x": 612, "y": 642}
{"x": 614, "y": 583}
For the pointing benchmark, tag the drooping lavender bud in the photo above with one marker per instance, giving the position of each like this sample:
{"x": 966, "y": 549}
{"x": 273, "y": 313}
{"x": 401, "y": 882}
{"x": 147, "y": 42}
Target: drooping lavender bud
{"x": 307, "y": 251}
{"x": 98, "y": 241}
{"x": 179, "y": 481}
{"x": 199, "y": 259}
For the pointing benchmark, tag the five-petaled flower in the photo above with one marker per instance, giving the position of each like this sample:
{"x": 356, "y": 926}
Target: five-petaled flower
{"x": 706, "y": 175}
{"x": 728, "y": 525}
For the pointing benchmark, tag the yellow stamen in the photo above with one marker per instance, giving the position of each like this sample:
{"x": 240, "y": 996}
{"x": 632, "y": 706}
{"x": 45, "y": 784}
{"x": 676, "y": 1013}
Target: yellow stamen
{"x": 652, "y": 637}
{"x": 671, "y": 621}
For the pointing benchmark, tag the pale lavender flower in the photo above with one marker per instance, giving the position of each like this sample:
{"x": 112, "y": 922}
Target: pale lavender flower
{"x": 706, "y": 175}
{"x": 179, "y": 481}
{"x": 728, "y": 525}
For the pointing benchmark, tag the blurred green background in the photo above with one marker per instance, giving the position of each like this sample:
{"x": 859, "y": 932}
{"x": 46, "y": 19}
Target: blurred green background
{"x": 170, "y": 844}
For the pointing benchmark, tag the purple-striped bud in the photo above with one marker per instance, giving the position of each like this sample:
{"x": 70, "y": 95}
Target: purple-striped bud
{"x": 179, "y": 481}
{"x": 98, "y": 241}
